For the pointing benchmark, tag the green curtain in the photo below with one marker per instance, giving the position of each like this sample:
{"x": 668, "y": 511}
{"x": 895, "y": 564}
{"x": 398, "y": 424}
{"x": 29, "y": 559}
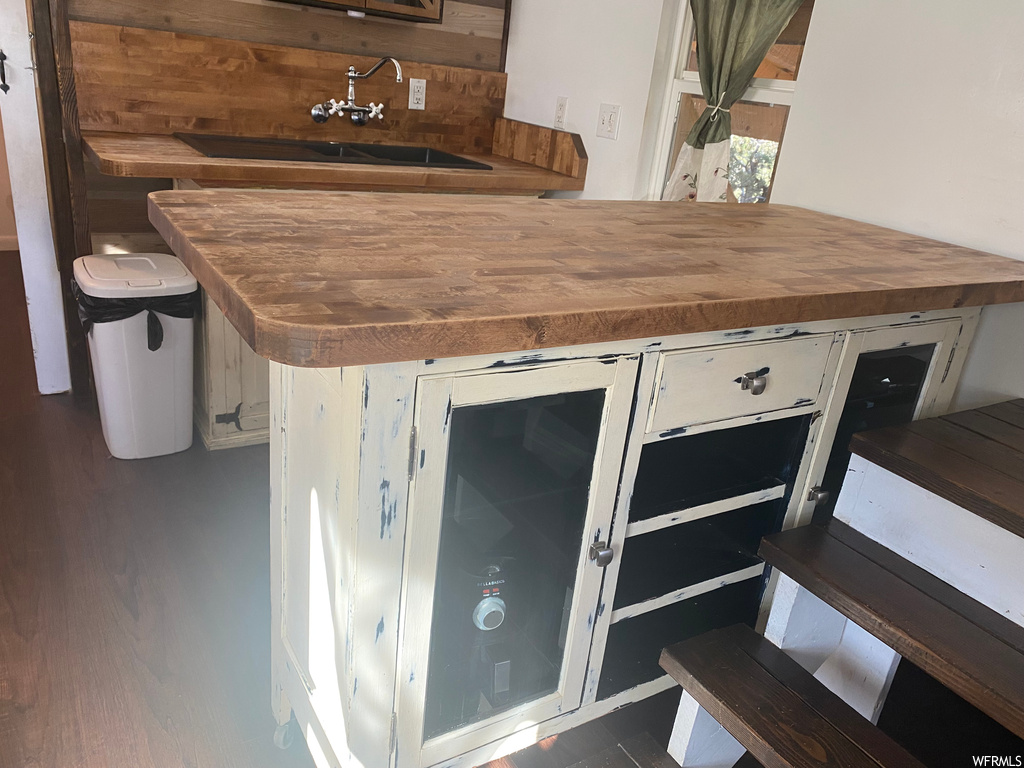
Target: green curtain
{"x": 733, "y": 37}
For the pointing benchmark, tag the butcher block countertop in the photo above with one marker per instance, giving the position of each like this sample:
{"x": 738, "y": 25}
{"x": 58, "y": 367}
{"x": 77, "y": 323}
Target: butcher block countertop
{"x": 324, "y": 279}
{"x": 165, "y": 157}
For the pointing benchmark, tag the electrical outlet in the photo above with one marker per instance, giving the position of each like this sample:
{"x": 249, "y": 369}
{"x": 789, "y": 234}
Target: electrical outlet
{"x": 561, "y": 107}
{"x": 608, "y": 121}
{"x": 417, "y": 93}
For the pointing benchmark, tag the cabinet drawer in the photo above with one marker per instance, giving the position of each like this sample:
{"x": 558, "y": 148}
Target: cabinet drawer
{"x": 699, "y": 386}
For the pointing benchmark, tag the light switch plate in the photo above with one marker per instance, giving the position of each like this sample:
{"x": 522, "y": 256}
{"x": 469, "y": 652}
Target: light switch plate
{"x": 561, "y": 107}
{"x": 608, "y": 121}
{"x": 417, "y": 93}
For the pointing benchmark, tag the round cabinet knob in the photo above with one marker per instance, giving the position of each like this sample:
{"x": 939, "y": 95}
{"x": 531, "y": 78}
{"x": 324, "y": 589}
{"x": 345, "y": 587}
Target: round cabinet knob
{"x": 489, "y": 613}
{"x": 754, "y": 383}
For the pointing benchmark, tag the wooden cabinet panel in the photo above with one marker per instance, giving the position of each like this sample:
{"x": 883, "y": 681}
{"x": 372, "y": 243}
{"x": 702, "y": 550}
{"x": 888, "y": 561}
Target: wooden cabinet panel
{"x": 232, "y": 384}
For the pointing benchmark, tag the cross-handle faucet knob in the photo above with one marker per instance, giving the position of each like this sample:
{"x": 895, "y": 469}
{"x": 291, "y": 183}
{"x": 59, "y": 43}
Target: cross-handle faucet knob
{"x": 376, "y": 110}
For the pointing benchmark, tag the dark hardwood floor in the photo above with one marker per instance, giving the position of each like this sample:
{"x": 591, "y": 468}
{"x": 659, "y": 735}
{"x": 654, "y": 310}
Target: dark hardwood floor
{"x": 18, "y": 392}
{"x": 134, "y": 604}
{"x": 134, "y": 617}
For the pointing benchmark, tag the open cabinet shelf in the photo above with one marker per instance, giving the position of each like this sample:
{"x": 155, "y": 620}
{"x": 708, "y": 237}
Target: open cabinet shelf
{"x": 662, "y": 562}
{"x": 695, "y": 470}
{"x": 634, "y": 645}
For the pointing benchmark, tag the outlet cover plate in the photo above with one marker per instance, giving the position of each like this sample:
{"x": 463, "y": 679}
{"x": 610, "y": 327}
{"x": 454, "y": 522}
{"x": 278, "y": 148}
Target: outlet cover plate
{"x": 561, "y": 108}
{"x": 417, "y": 93}
{"x": 608, "y": 121}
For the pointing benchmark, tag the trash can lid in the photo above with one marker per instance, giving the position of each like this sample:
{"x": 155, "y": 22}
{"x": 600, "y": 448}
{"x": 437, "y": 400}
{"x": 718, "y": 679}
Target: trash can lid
{"x": 132, "y": 275}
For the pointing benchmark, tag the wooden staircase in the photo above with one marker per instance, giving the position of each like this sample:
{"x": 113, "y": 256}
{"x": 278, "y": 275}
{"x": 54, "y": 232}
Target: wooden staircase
{"x": 774, "y": 707}
{"x": 957, "y": 469}
{"x": 969, "y": 648}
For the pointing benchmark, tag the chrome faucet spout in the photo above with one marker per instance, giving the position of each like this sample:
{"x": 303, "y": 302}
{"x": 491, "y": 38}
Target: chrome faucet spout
{"x": 398, "y": 69}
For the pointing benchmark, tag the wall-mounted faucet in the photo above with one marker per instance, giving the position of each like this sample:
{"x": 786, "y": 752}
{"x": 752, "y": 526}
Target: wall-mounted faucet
{"x": 360, "y": 115}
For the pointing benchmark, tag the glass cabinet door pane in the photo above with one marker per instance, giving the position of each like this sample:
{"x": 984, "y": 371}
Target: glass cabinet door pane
{"x": 515, "y": 503}
{"x": 884, "y": 391}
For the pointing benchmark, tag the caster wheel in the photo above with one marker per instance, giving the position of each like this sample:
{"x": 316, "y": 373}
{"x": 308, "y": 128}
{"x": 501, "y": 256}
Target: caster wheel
{"x": 284, "y": 735}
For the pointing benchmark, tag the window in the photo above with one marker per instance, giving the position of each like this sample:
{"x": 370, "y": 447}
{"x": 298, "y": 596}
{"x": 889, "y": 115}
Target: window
{"x": 758, "y": 120}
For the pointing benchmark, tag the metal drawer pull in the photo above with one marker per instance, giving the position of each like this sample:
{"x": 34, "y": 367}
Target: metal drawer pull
{"x": 818, "y": 495}
{"x": 601, "y": 553}
{"x": 756, "y": 384}
{"x": 3, "y": 73}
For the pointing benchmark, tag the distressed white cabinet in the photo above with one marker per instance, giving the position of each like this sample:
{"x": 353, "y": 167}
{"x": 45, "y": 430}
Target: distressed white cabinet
{"x": 231, "y": 406}
{"x": 878, "y": 376}
{"x": 469, "y": 555}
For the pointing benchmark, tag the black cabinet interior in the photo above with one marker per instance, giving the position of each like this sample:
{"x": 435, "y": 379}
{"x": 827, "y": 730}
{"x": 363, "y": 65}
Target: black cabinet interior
{"x": 516, "y": 498}
{"x": 884, "y": 391}
{"x": 634, "y": 645}
{"x": 660, "y": 562}
{"x": 690, "y": 470}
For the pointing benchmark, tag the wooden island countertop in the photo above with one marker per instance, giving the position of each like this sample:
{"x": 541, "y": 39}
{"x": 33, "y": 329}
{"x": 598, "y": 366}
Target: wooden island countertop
{"x": 325, "y": 279}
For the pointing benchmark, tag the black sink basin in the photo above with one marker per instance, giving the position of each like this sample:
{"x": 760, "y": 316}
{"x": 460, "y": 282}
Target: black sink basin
{"x": 325, "y": 152}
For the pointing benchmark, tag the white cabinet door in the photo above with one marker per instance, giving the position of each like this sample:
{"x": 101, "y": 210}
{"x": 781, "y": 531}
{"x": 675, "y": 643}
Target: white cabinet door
{"x": 886, "y": 376}
{"x": 515, "y": 476}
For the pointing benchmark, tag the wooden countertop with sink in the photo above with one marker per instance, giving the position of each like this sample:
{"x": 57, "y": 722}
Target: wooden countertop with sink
{"x": 164, "y": 156}
{"x": 137, "y": 87}
{"x": 324, "y": 279}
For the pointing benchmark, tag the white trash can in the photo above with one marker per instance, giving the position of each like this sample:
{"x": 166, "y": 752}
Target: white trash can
{"x": 138, "y": 312}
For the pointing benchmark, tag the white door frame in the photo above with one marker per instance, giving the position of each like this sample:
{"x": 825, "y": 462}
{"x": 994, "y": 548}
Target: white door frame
{"x": 22, "y": 126}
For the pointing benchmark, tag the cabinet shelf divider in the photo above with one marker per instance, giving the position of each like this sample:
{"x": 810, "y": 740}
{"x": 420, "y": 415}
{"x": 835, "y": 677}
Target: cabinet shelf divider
{"x": 693, "y": 590}
{"x": 690, "y": 514}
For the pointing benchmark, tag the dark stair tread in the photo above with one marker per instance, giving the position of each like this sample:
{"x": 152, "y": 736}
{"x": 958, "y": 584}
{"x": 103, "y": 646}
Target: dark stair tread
{"x": 975, "y": 459}
{"x": 773, "y": 707}
{"x": 966, "y": 646}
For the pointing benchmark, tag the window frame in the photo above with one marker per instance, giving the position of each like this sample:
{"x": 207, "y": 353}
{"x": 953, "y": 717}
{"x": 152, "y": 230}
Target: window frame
{"x": 681, "y": 81}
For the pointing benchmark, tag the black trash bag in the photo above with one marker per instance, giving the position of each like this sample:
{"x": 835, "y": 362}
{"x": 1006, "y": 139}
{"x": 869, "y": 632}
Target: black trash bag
{"x": 93, "y": 310}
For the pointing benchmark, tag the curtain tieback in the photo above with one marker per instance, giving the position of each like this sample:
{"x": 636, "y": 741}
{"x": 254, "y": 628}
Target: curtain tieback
{"x": 718, "y": 108}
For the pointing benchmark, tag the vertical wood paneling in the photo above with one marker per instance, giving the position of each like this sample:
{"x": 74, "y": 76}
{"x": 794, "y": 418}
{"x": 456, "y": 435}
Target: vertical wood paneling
{"x": 144, "y": 81}
{"x": 472, "y": 32}
{"x": 386, "y": 394}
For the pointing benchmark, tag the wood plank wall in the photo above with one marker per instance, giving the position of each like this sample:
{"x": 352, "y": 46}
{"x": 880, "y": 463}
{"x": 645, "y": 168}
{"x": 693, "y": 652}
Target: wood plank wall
{"x": 472, "y": 34}
{"x": 146, "y": 81}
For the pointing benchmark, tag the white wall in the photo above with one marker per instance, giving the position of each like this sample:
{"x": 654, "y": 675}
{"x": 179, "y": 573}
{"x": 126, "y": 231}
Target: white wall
{"x": 910, "y": 114}
{"x": 594, "y": 52}
{"x": 22, "y": 135}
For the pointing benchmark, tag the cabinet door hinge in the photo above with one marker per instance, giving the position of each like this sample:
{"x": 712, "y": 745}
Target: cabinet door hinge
{"x": 393, "y": 740}
{"x": 412, "y": 452}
